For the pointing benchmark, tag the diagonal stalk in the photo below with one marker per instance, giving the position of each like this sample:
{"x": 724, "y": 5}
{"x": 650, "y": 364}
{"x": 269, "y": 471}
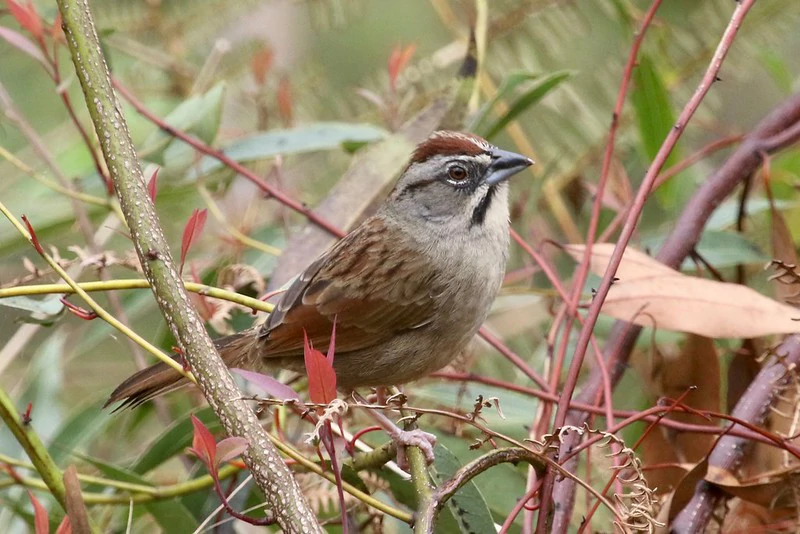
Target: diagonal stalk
{"x": 283, "y": 494}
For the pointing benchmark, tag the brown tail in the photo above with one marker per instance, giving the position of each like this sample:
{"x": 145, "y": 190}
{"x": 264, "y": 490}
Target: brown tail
{"x": 161, "y": 378}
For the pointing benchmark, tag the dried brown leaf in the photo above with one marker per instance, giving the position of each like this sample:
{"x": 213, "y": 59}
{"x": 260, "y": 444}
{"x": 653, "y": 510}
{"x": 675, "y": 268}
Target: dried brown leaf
{"x": 696, "y": 366}
{"x": 649, "y": 293}
{"x": 783, "y": 250}
{"x": 770, "y": 489}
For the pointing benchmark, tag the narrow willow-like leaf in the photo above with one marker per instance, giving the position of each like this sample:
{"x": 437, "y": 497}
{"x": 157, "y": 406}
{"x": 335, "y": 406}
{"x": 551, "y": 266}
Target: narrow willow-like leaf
{"x": 528, "y": 99}
{"x": 506, "y": 89}
{"x": 468, "y": 506}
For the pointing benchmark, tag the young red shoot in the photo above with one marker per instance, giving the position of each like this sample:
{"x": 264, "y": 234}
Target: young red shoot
{"x": 322, "y": 390}
{"x": 27, "y": 17}
{"x": 41, "y": 523}
{"x": 211, "y": 453}
{"x": 398, "y": 60}
{"x": 56, "y": 32}
{"x": 261, "y": 64}
{"x": 82, "y": 313}
{"x": 321, "y": 376}
{"x": 152, "y": 185}
{"x": 192, "y": 230}
{"x": 284, "y": 98}
{"x": 214, "y": 454}
{"x": 25, "y": 418}
{"x": 34, "y": 239}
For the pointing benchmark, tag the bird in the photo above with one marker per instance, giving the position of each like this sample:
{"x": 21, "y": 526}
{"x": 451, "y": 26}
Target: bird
{"x": 407, "y": 289}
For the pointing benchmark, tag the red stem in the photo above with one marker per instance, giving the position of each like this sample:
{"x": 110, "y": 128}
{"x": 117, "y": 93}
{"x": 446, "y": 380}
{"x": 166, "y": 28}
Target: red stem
{"x": 758, "y": 434}
{"x": 544, "y": 523}
{"x": 62, "y": 93}
{"x": 233, "y": 513}
{"x": 234, "y": 165}
{"x": 676, "y": 169}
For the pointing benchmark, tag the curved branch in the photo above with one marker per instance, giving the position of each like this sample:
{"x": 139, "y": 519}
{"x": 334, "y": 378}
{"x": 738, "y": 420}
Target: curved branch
{"x": 426, "y": 519}
{"x": 729, "y": 451}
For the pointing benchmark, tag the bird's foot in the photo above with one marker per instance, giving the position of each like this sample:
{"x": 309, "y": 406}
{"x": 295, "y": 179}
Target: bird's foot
{"x": 413, "y": 438}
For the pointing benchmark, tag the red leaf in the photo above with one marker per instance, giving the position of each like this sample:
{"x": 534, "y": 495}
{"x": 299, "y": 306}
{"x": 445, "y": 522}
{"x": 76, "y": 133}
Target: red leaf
{"x": 27, "y": 17}
{"x": 285, "y": 101}
{"x": 34, "y": 239}
{"x": 207, "y": 308}
{"x": 86, "y": 315}
{"x": 321, "y": 376}
{"x": 40, "y": 521}
{"x": 152, "y": 185}
{"x": 268, "y": 384}
{"x": 260, "y": 65}
{"x": 398, "y": 60}
{"x": 229, "y": 448}
{"x": 65, "y": 527}
{"x": 56, "y": 31}
{"x": 203, "y": 444}
{"x": 22, "y": 43}
{"x": 193, "y": 229}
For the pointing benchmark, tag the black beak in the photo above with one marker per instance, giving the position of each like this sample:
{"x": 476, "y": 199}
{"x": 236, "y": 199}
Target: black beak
{"x": 505, "y": 165}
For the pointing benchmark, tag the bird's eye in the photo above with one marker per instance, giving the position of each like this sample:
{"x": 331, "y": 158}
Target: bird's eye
{"x": 457, "y": 173}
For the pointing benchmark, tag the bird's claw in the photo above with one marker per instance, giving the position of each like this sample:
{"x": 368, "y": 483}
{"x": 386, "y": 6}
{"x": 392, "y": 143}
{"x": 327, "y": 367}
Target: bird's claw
{"x": 425, "y": 441}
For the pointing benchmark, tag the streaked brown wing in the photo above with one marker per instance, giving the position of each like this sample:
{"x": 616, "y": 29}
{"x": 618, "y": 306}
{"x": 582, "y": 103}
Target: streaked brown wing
{"x": 372, "y": 289}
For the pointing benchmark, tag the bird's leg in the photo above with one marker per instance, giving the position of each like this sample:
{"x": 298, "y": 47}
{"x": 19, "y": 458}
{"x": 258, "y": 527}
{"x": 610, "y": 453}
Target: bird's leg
{"x": 407, "y": 438}
{"x": 402, "y": 438}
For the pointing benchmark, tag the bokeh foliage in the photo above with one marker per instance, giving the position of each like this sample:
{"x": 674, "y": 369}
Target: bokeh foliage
{"x": 195, "y": 63}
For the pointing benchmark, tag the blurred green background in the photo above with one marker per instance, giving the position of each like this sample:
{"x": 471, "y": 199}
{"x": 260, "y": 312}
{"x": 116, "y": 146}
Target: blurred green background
{"x": 323, "y": 57}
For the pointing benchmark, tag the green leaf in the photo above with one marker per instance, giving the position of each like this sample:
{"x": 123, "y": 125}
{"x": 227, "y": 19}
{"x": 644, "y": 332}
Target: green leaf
{"x": 46, "y": 306}
{"x": 500, "y": 486}
{"x": 173, "y": 441}
{"x": 350, "y": 476}
{"x": 400, "y": 488}
{"x": 517, "y": 408}
{"x": 720, "y": 249}
{"x": 43, "y": 380}
{"x": 727, "y": 249}
{"x": 468, "y": 507}
{"x": 308, "y": 138}
{"x": 198, "y": 116}
{"x": 511, "y": 82}
{"x": 655, "y": 118}
{"x": 777, "y": 68}
{"x": 727, "y": 213}
{"x": 654, "y": 114}
{"x": 43, "y": 311}
{"x": 82, "y": 427}
{"x": 529, "y": 98}
{"x": 171, "y": 515}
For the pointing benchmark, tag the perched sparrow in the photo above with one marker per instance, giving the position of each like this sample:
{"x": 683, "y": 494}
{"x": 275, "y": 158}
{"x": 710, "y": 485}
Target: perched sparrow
{"x": 408, "y": 288}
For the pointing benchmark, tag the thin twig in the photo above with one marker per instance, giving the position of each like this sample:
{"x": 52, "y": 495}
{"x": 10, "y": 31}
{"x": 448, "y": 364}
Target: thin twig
{"x": 232, "y": 164}
{"x": 583, "y": 271}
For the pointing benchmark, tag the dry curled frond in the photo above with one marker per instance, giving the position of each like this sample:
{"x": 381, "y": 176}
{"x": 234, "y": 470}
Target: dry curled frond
{"x": 638, "y": 504}
{"x": 788, "y": 275}
{"x": 333, "y": 411}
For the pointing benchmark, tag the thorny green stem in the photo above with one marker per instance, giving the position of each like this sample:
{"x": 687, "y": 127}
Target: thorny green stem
{"x": 283, "y": 494}
{"x": 34, "y": 448}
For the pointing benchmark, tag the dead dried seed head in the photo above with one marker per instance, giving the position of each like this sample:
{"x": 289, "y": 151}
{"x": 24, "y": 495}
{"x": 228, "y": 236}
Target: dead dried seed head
{"x": 335, "y": 409}
{"x": 638, "y": 505}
